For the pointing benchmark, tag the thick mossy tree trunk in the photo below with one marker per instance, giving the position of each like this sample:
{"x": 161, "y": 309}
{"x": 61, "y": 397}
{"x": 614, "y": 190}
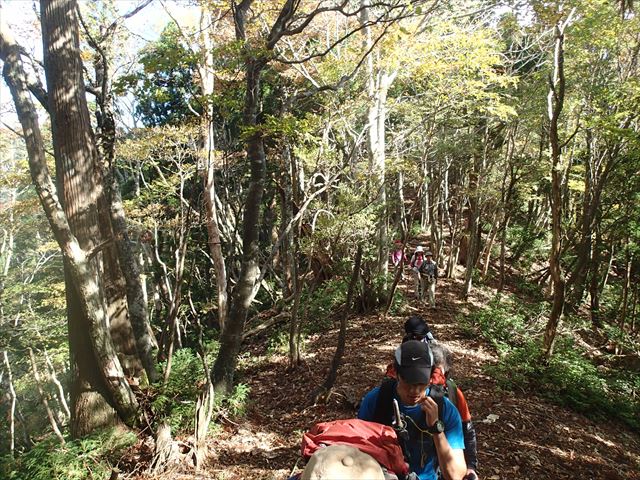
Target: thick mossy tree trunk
{"x": 98, "y": 380}
{"x": 100, "y": 394}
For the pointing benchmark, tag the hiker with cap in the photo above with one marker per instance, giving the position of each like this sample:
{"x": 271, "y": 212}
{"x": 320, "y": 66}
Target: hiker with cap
{"x": 434, "y": 427}
{"x": 415, "y": 328}
{"x": 429, "y": 274}
{"x": 416, "y": 262}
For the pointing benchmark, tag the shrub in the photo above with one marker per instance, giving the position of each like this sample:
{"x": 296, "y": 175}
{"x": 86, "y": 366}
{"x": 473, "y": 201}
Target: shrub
{"x": 322, "y": 303}
{"x": 237, "y": 401}
{"x": 176, "y": 401}
{"x": 500, "y": 322}
{"x": 569, "y": 378}
{"x": 90, "y": 457}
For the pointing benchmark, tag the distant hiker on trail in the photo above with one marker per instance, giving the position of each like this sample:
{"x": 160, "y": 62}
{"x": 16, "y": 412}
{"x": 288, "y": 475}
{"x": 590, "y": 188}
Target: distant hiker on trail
{"x": 425, "y": 272}
{"x": 417, "y": 259}
{"x": 398, "y": 257}
{"x": 430, "y": 430}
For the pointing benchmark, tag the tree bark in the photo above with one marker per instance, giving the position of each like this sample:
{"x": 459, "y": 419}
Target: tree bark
{"x": 342, "y": 334}
{"x": 43, "y": 397}
{"x": 231, "y": 338}
{"x": 12, "y": 408}
{"x": 294, "y": 325}
{"x": 208, "y": 140}
{"x": 98, "y": 383}
{"x": 626, "y": 286}
{"x": 54, "y": 378}
{"x": 503, "y": 250}
{"x": 555, "y": 105}
{"x": 378, "y": 83}
{"x": 472, "y": 231}
{"x": 146, "y": 344}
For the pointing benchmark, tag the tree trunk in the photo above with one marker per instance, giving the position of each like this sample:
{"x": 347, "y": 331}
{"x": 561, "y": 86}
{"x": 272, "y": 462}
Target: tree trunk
{"x": 605, "y": 277}
{"x": 473, "y": 229}
{"x": 594, "y": 290}
{"x": 625, "y": 288}
{"x": 555, "y": 105}
{"x": 98, "y": 383}
{"x": 54, "y": 378}
{"x": 294, "y": 326}
{"x": 488, "y": 248}
{"x": 231, "y": 338}
{"x": 634, "y": 305}
{"x": 503, "y": 249}
{"x": 146, "y": 344}
{"x": 288, "y": 251}
{"x": 43, "y": 397}
{"x": 128, "y": 320}
{"x": 12, "y": 408}
{"x": 378, "y": 83}
{"x": 342, "y": 335}
{"x": 208, "y": 140}
{"x": 402, "y": 211}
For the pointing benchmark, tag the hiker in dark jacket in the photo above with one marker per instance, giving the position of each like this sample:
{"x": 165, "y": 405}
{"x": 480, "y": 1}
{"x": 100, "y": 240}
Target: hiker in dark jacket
{"x": 434, "y": 428}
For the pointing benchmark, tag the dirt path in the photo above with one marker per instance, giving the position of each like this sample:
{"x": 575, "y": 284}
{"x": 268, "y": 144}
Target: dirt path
{"x": 519, "y": 435}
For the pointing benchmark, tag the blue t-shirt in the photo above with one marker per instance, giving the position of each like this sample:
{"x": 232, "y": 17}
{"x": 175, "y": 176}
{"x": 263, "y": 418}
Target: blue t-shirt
{"x": 423, "y": 457}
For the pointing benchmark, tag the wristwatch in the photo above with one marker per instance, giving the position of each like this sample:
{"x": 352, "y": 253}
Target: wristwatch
{"x": 436, "y": 428}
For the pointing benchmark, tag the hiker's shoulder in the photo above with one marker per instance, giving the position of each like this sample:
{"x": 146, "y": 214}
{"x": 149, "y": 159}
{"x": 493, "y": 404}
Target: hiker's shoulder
{"x": 368, "y": 404}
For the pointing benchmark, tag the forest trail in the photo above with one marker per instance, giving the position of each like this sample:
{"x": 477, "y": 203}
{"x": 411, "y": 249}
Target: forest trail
{"x": 519, "y": 436}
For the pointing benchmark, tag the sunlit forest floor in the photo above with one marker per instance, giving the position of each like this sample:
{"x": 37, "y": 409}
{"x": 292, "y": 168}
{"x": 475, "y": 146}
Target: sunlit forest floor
{"x": 520, "y": 436}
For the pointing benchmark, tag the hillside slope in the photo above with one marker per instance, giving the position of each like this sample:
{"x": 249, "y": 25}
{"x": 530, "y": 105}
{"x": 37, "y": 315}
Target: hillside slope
{"x": 520, "y": 436}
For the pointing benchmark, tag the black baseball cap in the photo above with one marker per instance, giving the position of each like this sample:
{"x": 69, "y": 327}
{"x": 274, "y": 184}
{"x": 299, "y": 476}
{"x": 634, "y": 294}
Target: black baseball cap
{"x": 413, "y": 361}
{"x": 416, "y": 325}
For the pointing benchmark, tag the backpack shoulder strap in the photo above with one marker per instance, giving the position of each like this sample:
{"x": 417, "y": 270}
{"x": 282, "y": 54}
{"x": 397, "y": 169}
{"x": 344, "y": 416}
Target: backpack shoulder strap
{"x": 383, "y": 412}
{"x": 452, "y": 392}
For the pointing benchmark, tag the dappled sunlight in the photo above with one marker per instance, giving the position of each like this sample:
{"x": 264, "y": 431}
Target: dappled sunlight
{"x": 520, "y": 436}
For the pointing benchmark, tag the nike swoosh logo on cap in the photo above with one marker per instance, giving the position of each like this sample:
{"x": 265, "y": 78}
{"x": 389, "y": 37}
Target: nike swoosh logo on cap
{"x": 414, "y": 359}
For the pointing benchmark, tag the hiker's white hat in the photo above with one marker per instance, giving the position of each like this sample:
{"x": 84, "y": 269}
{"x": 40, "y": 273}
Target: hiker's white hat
{"x": 340, "y": 462}
{"x": 419, "y": 248}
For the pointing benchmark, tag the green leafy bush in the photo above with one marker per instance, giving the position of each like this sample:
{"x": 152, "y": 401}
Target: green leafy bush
{"x": 91, "y": 457}
{"x": 278, "y": 342}
{"x": 569, "y": 378}
{"x": 501, "y": 322}
{"x": 176, "y": 401}
{"x": 237, "y": 401}
{"x": 322, "y": 303}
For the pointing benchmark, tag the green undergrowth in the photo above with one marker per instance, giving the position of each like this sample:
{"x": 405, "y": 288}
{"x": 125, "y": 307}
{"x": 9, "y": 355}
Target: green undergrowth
{"x": 175, "y": 402}
{"x": 570, "y": 379}
{"x": 90, "y": 457}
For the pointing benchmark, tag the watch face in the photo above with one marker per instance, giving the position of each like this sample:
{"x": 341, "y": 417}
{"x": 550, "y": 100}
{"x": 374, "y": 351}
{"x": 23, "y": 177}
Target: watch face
{"x": 439, "y": 426}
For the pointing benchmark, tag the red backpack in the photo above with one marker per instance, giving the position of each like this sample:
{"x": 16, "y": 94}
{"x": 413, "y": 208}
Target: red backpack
{"x": 377, "y": 440}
